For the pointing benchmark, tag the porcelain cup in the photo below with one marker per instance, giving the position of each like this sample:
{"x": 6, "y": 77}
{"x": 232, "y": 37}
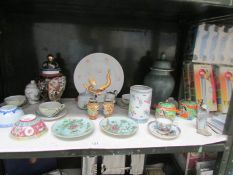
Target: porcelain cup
{"x": 125, "y": 98}
{"x": 163, "y": 125}
{"x": 110, "y": 96}
{"x": 50, "y": 108}
{"x": 83, "y": 99}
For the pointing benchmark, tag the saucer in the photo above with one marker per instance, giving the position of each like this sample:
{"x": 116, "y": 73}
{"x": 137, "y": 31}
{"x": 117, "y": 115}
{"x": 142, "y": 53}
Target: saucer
{"x": 174, "y": 132}
{"x": 48, "y": 118}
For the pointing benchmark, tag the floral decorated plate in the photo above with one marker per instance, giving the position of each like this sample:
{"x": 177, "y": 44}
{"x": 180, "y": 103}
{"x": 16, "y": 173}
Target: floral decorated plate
{"x": 154, "y": 130}
{"x": 48, "y": 118}
{"x": 69, "y": 128}
{"x": 119, "y": 126}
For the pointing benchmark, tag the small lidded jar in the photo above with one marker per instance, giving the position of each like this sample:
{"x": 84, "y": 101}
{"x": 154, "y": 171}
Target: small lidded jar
{"x": 188, "y": 109}
{"x": 93, "y": 108}
{"x": 166, "y": 109}
{"x": 140, "y": 103}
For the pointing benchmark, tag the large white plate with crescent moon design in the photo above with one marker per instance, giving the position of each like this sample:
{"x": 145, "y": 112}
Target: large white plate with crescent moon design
{"x": 95, "y": 66}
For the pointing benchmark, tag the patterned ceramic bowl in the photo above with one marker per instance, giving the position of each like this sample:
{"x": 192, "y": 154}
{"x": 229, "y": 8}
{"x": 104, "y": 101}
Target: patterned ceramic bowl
{"x": 16, "y": 100}
{"x": 9, "y": 114}
{"x": 29, "y": 126}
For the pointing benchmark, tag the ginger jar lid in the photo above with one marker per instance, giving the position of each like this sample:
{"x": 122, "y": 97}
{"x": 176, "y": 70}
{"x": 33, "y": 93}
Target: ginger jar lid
{"x": 166, "y": 105}
{"x": 187, "y": 103}
{"x": 162, "y": 63}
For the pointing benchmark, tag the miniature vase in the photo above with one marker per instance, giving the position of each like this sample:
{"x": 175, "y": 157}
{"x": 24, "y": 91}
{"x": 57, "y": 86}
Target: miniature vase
{"x": 32, "y": 92}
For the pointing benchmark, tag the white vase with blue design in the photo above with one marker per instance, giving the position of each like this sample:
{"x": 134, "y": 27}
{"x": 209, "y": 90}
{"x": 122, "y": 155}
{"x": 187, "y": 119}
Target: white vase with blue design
{"x": 9, "y": 114}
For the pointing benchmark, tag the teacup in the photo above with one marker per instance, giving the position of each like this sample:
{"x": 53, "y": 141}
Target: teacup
{"x": 163, "y": 125}
{"x": 83, "y": 99}
{"x": 50, "y": 108}
{"x": 110, "y": 96}
{"x": 125, "y": 98}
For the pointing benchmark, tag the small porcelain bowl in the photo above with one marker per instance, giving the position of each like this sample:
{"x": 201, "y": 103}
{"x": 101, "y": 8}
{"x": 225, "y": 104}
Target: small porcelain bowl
{"x": 50, "y": 108}
{"x": 16, "y": 100}
{"x": 125, "y": 98}
{"x": 28, "y": 126}
{"x": 9, "y": 114}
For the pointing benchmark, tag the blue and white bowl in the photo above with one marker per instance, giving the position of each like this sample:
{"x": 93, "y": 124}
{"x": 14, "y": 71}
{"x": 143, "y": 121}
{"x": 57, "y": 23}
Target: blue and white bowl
{"x": 9, "y": 114}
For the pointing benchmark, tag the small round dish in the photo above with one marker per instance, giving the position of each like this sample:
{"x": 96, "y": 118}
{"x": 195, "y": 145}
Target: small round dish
{"x": 119, "y": 126}
{"x": 29, "y": 126}
{"x": 9, "y": 114}
{"x": 16, "y": 100}
{"x": 48, "y": 118}
{"x": 70, "y": 128}
{"x": 154, "y": 130}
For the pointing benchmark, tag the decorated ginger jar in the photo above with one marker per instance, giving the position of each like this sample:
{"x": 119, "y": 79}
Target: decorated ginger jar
{"x": 52, "y": 82}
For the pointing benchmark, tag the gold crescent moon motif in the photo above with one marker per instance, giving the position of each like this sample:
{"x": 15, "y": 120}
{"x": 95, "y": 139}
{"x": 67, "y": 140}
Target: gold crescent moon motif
{"x": 90, "y": 85}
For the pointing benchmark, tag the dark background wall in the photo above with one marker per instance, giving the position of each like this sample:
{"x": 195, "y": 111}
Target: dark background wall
{"x": 135, "y": 32}
{"x": 27, "y": 44}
